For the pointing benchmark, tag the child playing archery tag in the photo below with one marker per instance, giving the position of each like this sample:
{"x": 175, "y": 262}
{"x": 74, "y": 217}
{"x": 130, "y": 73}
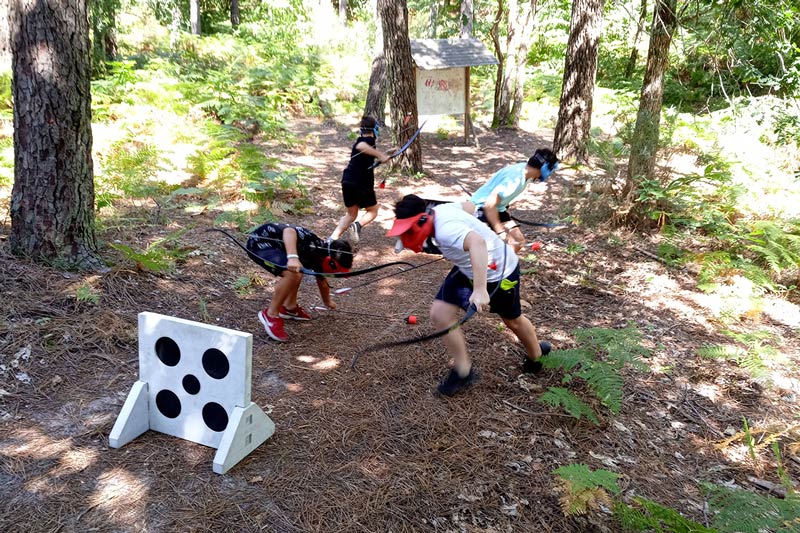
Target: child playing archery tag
{"x": 285, "y": 251}
{"x": 358, "y": 181}
{"x": 493, "y": 198}
{"x": 472, "y": 247}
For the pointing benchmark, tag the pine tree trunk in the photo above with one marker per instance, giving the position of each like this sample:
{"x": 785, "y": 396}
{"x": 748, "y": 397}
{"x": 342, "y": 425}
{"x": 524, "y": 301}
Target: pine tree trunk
{"x": 402, "y": 83}
{"x": 5, "y": 46}
{"x": 235, "y": 14}
{"x": 631, "y": 66}
{"x": 466, "y": 19}
{"x": 52, "y": 201}
{"x": 644, "y": 144}
{"x": 343, "y": 12}
{"x": 580, "y": 70}
{"x": 509, "y": 87}
{"x": 104, "y": 33}
{"x": 194, "y": 16}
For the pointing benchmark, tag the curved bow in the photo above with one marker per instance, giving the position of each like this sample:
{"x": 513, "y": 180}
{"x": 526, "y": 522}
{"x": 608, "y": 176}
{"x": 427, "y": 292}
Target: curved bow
{"x": 304, "y": 270}
{"x": 471, "y": 311}
{"x": 537, "y": 224}
{"x": 404, "y": 147}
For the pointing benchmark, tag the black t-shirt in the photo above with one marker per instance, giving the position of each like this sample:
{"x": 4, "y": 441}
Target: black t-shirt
{"x": 311, "y": 249}
{"x": 358, "y": 171}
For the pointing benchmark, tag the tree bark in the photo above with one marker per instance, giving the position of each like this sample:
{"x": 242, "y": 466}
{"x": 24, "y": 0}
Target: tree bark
{"x": 104, "y": 33}
{"x": 402, "y": 83}
{"x": 580, "y": 70}
{"x": 376, "y": 92}
{"x": 235, "y": 14}
{"x": 631, "y": 66}
{"x": 5, "y": 46}
{"x": 433, "y": 19}
{"x": 52, "y": 201}
{"x": 510, "y": 84}
{"x": 194, "y": 16}
{"x": 644, "y": 144}
{"x": 467, "y": 17}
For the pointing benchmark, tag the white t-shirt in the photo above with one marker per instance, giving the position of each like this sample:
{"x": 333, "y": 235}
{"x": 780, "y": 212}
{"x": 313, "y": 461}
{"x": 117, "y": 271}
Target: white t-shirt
{"x": 452, "y": 224}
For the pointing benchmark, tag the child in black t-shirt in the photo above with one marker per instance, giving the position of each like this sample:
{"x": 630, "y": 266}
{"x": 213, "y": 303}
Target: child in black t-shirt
{"x": 358, "y": 181}
{"x": 283, "y": 250}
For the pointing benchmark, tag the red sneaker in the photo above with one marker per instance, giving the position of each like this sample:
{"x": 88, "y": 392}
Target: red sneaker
{"x": 298, "y": 313}
{"x": 274, "y": 326}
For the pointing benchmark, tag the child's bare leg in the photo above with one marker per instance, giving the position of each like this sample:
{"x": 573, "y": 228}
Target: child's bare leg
{"x": 285, "y": 292}
{"x": 444, "y": 315}
{"x": 526, "y": 334}
{"x": 345, "y": 221}
{"x": 369, "y": 215}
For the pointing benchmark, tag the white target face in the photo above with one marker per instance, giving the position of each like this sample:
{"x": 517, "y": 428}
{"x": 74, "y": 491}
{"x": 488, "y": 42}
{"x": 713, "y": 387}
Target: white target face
{"x": 196, "y": 375}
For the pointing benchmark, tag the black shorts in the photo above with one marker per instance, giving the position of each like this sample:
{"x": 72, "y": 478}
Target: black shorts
{"x": 353, "y": 194}
{"x": 457, "y": 288}
{"x": 505, "y": 216}
{"x": 273, "y": 257}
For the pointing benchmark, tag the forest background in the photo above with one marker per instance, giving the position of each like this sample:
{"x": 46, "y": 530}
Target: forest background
{"x": 192, "y": 104}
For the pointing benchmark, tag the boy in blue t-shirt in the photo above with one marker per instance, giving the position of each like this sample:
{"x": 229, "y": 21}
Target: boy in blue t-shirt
{"x": 358, "y": 181}
{"x": 494, "y": 197}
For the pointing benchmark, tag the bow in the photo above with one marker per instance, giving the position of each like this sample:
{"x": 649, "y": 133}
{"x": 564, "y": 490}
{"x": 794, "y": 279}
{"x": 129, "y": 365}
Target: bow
{"x": 537, "y": 224}
{"x": 304, "y": 270}
{"x": 471, "y": 311}
{"x": 404, "y": 147}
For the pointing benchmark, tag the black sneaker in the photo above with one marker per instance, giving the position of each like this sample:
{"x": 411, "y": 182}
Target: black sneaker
{"x": 531, "y": 366}
{"x": 454, "y": 383}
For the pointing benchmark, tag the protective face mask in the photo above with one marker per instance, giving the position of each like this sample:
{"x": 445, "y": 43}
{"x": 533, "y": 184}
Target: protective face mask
{"x": 546, "y": 170}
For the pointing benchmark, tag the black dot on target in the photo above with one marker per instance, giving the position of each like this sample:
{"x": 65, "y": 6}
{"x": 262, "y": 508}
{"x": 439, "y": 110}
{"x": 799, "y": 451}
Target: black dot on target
{"x": 215, "y": 417}
{"x": 167, "y": 351}
{"x": 191, "y": 384}
{"x": 168, "y": 403}
{"x": 215, "y": 363}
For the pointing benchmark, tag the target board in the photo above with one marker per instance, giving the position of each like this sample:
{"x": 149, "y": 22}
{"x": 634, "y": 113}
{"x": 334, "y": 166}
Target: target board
{"x": 194, "y": 383}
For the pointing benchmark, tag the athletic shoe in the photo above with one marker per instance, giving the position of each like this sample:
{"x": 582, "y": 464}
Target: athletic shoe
{"x": 355, "y": 230}
{"x": 273, "y": 325}
{"x": 453, "y": 383}
{"x": 534, "y": 366}
{"x": 297, "y": 314}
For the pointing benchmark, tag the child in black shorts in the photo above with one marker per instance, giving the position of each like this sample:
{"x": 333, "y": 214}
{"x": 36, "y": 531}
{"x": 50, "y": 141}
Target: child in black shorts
{"x": 283, "y": 250}
{"x": 358, "y": 181}
{"x": 471, "y": 246}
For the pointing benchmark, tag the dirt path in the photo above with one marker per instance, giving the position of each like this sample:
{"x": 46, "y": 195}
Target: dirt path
{"x": 372, "y": 449}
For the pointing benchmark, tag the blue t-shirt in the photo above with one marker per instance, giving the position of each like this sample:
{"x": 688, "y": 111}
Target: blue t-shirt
{"x": 510, "y": 180}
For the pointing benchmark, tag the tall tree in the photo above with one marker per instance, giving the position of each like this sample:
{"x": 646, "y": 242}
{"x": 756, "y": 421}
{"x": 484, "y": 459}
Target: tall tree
{"x": 644, "y": 144}
{"x": 467, "y": 17}
{"x": 631, "y": 66}
{"x": 104, "y": 32}
{"x": 235, "y": 14}
{"x": 343, "y": 12}
{"x": 512, "y": 56}
{"x": 571, "y": 135}
{"x": 402, "y": 83}
{"x": 376, "y": 92}
{"x": 194, "y": 16}
{"x": 52, "y": 201}
{"x": 5, "y": 47}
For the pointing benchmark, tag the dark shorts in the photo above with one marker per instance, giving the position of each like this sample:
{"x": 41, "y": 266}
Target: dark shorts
{"x": 505, "y": 216}
{"x": 457, "y": 288}
{"x": 273, "y": 257}
{"x": 358, "y": 195}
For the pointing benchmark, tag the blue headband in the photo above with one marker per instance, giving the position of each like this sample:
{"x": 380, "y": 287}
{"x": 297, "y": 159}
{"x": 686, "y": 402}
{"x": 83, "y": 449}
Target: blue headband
{"x": 546, "y": 170}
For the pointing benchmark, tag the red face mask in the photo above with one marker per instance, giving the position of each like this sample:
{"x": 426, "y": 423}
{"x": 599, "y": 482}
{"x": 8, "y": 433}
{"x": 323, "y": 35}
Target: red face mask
{"x": 330, "y": 266}
{"x": 414, "y": 238}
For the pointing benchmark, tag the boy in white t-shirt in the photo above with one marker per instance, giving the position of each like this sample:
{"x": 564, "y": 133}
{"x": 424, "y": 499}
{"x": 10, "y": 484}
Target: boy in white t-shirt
{"x": 471, "y": 246}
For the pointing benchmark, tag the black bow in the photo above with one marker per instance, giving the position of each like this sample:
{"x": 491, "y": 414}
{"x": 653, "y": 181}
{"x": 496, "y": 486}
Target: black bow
{"x": 304, "y": 270}
{"x": 404, "y": 147}
{"x": 537, "y": 224}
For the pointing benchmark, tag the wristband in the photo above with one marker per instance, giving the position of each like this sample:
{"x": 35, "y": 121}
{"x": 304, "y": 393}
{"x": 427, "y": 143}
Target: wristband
{"x": 292, "y": 256}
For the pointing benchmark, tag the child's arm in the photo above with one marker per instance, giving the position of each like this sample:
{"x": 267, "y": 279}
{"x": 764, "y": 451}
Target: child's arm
{"x": 479, "y": 259}
{"x": 490, "y": 210}
{"x": 365, "y": 148}
{"x": 325, "y": 292}
{"x": 290, "y": 243}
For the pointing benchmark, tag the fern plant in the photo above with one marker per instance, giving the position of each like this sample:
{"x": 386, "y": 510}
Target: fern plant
{"x": 598, "y": 362}
{"x": 746, "y": 512}
{"x": 159, "y": 256}
{"x": 647, "y": 515}
{"x": 583, "y": 490}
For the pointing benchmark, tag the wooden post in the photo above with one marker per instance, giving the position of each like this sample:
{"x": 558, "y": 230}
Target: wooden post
{"x": 467, "y": 119}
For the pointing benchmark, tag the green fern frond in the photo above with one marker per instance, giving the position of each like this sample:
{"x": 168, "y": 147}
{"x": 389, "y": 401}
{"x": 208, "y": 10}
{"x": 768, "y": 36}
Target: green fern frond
{"x": 605, "y": 381}
{"x": 655, "y": 517}
{"x": 566, "y": 359}
{"x": 561, "y": 397}
{"x": 746, "y": 512}
{"x": 582, "y": 477}
{"x": 719, "y": 351}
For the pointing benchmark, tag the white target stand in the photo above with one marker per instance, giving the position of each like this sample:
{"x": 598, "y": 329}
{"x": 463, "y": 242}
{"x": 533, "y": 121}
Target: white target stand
{"x": 194, "y": 383}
